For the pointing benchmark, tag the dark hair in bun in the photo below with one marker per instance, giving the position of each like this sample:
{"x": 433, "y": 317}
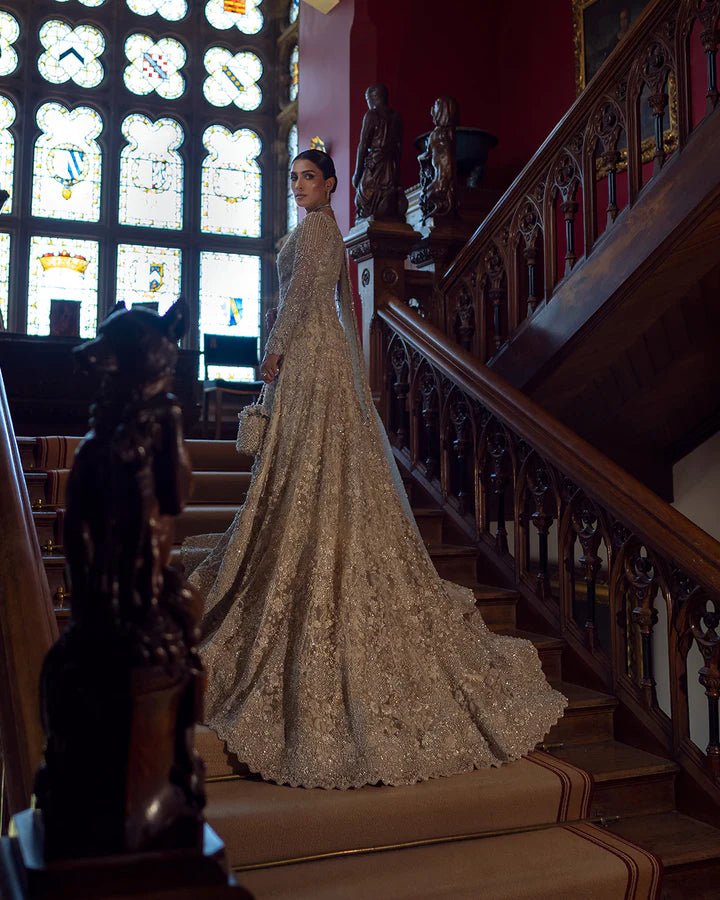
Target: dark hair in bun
{"x": 323, "y": 161}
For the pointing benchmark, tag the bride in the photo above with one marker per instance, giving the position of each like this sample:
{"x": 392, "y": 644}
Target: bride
{"x": 336, "y": 656}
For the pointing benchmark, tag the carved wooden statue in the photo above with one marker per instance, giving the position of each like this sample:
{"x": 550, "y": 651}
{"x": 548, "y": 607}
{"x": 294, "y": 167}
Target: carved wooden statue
{"x": 377, "y": 171}
{"x": 438, "y": 177}
{"x": 121, "y": 690}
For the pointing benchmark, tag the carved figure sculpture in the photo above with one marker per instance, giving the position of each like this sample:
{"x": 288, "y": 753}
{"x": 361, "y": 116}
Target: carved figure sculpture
{"x": 438, "y": 182}
{"x": 121, "y": 689}
{"x": 377, "y": 171}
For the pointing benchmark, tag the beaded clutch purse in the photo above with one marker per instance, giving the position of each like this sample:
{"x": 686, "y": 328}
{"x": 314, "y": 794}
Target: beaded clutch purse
{"x": 252, "y": 422}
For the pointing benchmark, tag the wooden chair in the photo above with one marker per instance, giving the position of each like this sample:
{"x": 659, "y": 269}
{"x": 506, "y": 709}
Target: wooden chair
{"x": 228, "y": 350}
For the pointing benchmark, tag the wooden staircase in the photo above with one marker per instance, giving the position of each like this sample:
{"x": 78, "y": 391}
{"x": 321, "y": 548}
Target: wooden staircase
{"x": 634, "y": 791}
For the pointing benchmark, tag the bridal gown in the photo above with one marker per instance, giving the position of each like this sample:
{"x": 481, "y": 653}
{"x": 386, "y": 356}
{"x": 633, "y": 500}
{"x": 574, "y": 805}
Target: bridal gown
{"x": 336, "y": 656}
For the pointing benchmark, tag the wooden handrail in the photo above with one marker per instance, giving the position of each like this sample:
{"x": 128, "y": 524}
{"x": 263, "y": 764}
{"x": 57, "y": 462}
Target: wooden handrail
{"x": 27, "y": 623}
{"x": 574, "y": 121}
{"x": 659, "y": 524}
{"x": 579, "y": 190}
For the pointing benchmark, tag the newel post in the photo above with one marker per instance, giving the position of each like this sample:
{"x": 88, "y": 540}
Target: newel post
{"x": 380, "y": 250}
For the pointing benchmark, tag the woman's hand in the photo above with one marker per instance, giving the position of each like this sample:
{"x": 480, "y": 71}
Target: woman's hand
{"x": 270, "y": 317}
{"x": 270, "y": 367}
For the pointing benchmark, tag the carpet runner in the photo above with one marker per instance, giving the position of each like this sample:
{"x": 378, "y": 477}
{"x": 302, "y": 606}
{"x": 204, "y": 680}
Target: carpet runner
{"x": 511, "y": 833}
{"x": 560, "y": 862}
{"x": 265, "y": 823}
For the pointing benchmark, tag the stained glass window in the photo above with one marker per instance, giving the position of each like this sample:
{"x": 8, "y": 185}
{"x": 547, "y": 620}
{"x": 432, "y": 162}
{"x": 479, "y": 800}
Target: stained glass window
{"x": 86, "y": 2}
{"x": 151, "y": 173}
{"x": 67, "y": 164}
{"x": 294, "y": 72}
{"x": 7, "y": 149}
{"x": 232, "y": 78}
{"x": 154, "y": 66}
{"x": 71, "y": 54}
{"x": 243, "y": 14}
{"x": 4, "y": 277}
{"x": 294, "y": 10}
{"x": 148, "y": 275}
{"x": 292, "y": 210}
{"x": 172, "y": 10}
{"x": 231, "y": 182}
{"x": 229, "y": 302}
{"x": 9, "y": 33}
{"x": 62, "y": 269}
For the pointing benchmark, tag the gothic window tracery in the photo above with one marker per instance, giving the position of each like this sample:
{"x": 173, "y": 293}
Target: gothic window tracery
{"x": 149, "y": 152}
{"x": 151, "y": 173}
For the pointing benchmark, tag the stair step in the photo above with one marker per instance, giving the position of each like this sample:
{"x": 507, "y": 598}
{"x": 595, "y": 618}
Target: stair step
{"x": 216, "y": 456}
{"x": 204, "y": 519}
{"x": 430, "y": 524}
{"x": 26, "y": 448}
{"x": 677, "y": 839}
{"x": 549, "y": 650}
{"x": 219, "y": 762}
{"x": 454, "y": 562}
{"x": 219, "y": 487}
{"x": 497, "y": 606}
{"x": 627, "y": 781}
{"x": 586, "y": 863}
{"x": 588, "y": 717}
{"x": 36, "y": 485}
{"x": 262, "y": 822}
{"x": 54, "y": 564}
{"x": 48, "y": 526}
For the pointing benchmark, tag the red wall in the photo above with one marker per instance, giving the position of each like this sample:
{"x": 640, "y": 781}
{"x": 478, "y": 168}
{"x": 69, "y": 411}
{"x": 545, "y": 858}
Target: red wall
{"x": 535, "y": 78}
{"x": 510, "y": 65}
{"x": 324, "y": 91}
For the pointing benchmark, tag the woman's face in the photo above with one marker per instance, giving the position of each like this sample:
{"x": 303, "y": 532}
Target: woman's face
{"x": 308, "y": 185}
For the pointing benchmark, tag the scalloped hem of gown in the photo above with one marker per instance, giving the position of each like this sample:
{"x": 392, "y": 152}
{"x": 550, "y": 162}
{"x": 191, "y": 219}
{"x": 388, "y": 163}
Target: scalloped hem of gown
{"x": 385, "y": 781}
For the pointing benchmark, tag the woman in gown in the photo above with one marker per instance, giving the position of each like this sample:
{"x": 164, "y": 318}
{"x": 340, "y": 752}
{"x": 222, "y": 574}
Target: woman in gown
{"x": 336, "y": 656}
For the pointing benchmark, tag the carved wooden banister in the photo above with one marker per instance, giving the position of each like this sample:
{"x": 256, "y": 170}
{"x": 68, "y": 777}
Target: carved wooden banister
{"x": 27, "y": 624}
{"x": 659, "y": 523}
{"x": 598, "y": 555}
{"x": 636, "y": 112}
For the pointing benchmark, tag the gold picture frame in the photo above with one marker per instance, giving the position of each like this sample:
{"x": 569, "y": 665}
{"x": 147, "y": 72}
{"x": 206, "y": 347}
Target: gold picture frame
{"x": 598, "y": 27}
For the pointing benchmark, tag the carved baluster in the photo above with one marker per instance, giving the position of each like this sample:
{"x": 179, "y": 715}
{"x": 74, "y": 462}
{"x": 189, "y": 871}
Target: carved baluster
{"x": 459, "y": 417}
{"x": 704, "y": 625}
{"x": 585, "y": 523}
{"x": 607, "y": 124}
{"x": 567, "y": 182}
{"x": 531, "y": 262}
{"x": 539, "y": 488}
{"x": 611, "y": 160}
{"x": 497, "y": 448}
{"x": 465, "y": 318}
{"x": 656, "y": 69}
{"x": 429, "y": 414}
{"x": 709, "y": 39}
{"x": 529, "y": 225}
{"x": 642, "y": 583}
{"x": 496, "y": 294}
{"x": 400, "y": 388}
{"x": 569, "y": 210}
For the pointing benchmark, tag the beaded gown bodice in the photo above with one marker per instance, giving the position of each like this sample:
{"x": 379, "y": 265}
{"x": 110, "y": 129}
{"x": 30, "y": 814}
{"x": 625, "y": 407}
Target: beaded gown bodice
{"x": 336, "y": 656}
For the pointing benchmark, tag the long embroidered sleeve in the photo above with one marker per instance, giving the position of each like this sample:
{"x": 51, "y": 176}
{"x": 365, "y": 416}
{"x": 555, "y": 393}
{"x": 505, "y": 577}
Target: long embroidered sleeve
{"x": 313, "y": 251}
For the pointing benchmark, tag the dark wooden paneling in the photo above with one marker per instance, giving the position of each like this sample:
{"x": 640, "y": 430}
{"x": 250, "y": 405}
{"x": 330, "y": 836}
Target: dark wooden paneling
{"x": 46, "y": 396}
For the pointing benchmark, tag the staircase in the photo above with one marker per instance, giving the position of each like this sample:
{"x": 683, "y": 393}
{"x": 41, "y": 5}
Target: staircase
{"x": 592, "y": 284}
{"x": 295, "y": 843}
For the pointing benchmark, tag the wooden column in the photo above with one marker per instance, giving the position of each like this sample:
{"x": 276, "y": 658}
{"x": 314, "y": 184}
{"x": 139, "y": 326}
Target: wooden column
{"x": 380, "y": 250}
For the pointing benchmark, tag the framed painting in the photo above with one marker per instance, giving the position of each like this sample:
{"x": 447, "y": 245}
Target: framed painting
{"x": 599, "y": 27}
